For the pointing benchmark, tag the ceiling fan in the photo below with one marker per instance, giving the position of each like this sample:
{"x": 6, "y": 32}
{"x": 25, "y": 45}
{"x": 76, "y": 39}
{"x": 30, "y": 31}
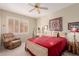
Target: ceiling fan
{"x": 37, "y": 7}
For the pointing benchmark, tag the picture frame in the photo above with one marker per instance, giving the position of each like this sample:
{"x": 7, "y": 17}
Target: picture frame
{"x": 55, "y": 24}
{"x": 73, "y": 24}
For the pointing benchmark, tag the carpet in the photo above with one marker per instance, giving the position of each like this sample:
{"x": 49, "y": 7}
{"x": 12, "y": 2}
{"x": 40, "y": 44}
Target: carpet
{"x": 20, "y": 51}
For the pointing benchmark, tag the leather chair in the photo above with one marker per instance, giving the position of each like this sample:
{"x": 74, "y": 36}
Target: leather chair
{"x": 10, "y": 41}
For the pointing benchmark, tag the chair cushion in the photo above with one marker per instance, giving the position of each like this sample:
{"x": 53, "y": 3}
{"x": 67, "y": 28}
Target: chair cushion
{"x": 7, "y": 40}
{"x": 62, "y": 34}
{"x": 15, "y": 41}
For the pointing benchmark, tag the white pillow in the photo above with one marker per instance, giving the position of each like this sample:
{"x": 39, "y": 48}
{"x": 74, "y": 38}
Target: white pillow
{"x": 70, "y": 37}
{"x": 39, "y": 34}
{"x": 54, "y": 33}
{"x": 48, "y": 33}
{"x": 77, "y": 36}
{"x": 62, "y": 34}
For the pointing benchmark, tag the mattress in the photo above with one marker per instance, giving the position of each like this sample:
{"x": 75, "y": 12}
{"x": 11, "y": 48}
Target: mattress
{"x": 46, "y": 45}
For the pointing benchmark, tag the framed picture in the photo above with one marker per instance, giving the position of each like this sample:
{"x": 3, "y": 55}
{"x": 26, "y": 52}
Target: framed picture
{"x": 73, "y": 24}
{"x": 55, "y": 24}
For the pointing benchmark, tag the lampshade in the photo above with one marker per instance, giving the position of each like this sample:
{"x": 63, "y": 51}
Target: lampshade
{"x": 74, "y": 30}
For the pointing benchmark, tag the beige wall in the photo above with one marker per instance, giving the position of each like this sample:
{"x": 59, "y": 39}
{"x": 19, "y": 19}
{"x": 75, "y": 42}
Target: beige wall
{"x": 69, "y": 14}
{"x": 0, "y": 26}
{"x": 31, "y": 23}
{"x": 0, "y": 22}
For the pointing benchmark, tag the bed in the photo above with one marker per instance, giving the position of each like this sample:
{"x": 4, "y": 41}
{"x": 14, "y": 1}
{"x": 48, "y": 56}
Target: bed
{"x": 46, "y": 45}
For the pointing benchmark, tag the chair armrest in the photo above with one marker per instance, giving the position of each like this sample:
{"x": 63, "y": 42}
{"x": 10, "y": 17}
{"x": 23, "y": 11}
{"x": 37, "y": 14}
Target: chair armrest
{"x": 16, "y": 38}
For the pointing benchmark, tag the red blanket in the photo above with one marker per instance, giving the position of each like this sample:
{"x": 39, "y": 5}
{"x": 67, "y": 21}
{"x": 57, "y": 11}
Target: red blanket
{"x": 55, "y": 45}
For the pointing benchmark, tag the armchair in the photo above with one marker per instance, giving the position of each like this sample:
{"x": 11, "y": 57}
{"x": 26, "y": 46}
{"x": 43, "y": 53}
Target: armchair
{"x": 10, "y": 41}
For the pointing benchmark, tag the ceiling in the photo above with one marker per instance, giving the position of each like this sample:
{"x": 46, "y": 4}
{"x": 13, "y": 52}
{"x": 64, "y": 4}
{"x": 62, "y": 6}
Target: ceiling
{"x": 23, "y": 8}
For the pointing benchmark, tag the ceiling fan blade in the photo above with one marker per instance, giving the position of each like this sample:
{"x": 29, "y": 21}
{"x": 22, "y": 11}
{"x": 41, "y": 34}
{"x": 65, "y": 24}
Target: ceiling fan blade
{"x": 31, "y": 10}
{"x": 43, "y": 8}
{"x": 30, "y": 4}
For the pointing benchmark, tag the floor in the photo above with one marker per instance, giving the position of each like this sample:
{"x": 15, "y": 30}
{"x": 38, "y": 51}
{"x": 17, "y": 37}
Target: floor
{"x": 20, "y": 51}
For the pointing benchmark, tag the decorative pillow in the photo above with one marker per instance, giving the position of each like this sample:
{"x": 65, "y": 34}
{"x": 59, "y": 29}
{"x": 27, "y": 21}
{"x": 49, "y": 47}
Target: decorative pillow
{"x": 70, "y": 37}
{"x": 54, "y": 33}
{"x": 62, "y": 34}
{"x": 77, "y": 36}
{"x": 48, "y": 33}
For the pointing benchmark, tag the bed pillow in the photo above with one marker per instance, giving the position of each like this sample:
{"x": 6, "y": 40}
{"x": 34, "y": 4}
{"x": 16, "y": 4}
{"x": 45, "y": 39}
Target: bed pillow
{"x": 77, "y": 36}
{"x": 70, "y": 36}
{"x": 54, "y": 33}
{"x": 48, "y": 33}
{"x": 62, "y": 34}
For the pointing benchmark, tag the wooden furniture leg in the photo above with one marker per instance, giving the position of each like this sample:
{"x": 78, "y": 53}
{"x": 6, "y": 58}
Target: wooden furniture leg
{"x": 73, "y": 48}
{"x": 78, "y": 51}
{"x": 69, "y": 48}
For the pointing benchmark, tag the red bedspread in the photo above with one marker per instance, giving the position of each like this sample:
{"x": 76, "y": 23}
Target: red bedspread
{"x": 55, "y": 45}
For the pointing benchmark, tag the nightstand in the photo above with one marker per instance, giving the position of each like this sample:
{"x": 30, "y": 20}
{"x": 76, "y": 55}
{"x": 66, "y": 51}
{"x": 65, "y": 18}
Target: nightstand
{"x": 69, "y": 46}
{"x": 72, "y": 47}
{"x": 77, "y": 47}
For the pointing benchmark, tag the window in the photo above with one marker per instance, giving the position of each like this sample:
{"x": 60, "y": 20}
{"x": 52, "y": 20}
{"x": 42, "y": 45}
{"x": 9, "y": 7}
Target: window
{"x": 11, "y": 25}
{"x": 17, "y": 26}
